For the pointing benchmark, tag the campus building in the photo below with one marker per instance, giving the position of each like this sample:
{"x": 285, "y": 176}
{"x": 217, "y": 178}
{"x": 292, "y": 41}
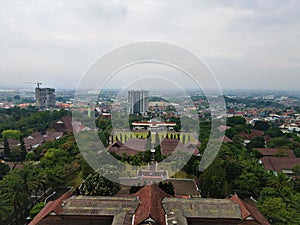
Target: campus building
{"x": 149, "y": 205}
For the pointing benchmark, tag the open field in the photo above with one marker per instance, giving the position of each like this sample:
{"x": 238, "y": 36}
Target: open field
{"x": 124, "y": 135}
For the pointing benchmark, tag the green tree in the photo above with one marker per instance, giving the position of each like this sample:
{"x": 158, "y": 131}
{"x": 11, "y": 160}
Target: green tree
{"x": 56, "y": 166}
{"x": 6, "y": 149}
{"x": 238, "y": 141}
{"x": 109, "y": 171}
{"x": 15, "y": 153}
{"x": 274, "y": 132}
{"x": 104, "y": 137}
{"x": 212, "y": 181}
{"x": 86, "y": 169}
{"x": 236, "y": 120}
{"x": 157, "y": 140}
{"x": 13, "y": 134}
{"x": 149, "y": 141}
{"x": 192, "y": 166}
{"x": 22, "y": 149}
{"x": 167, "y": 187}
{"x": 134, "y": 189}
{"x": 296, "y": 170}
{"x": 297, "y": 152}
{"x": 135, "y": 160}
{"x": 4, "y": 169}
{"x": 36, "y": 209}
{"x": 248, "y": 182}
{"x": 183, "y": 139}
{"x": 97, "y": 185}
{"x": 256, "y": 142}
{"x": 232, "y": 168}
{"x": 278, "y": 207}
{"x": 237, "y": 129}
{"x": 274, "y": 209}
{"x": 261, "y": 125}
{"x": 278, "y": 142}
{"x": 103, "y": 124}
{"x": 13, "y": 192}
{"x": 5, "y": 208}
{"x": 280, "y": 182}
{"x": 158, "y": 155}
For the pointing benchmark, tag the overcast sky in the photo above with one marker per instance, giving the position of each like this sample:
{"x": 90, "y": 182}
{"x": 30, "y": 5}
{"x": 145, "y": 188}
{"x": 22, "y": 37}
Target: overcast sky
{"x": 247, "y": 44}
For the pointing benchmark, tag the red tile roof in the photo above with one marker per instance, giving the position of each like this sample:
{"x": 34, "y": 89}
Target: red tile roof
{"x": 276, "y": 152}
{"x": 223, "y": 128}
{"x": 151, "y": 197}
{"x": 119, "y": 148}
{"x": 52, "y": 206}
{"x": 168, "y": 145}
{"x": 255, "y": 213}
{"x": 150, "y": 202}
{"x": 253, "y": 134}
{"x": 37, "y": 138}
{"x": 63, "y": 125}
{"x": 267, "y": 138}
{"x": 249, "y": 209}
{"x": 138, "y": 144}
{"x": 226, "y": 139}
{"x": 244, "y": 211}
{"x": 279, "y": 163}
{"x": 13, "y": 142}
{"x": 184, "y": 187}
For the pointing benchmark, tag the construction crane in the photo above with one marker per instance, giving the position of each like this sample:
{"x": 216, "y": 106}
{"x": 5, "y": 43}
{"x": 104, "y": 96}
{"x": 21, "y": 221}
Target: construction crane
{"x": 37, "y": 83}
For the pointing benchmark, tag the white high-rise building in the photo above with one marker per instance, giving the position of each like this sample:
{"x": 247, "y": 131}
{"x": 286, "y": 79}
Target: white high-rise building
{"x": 137, "y": 101}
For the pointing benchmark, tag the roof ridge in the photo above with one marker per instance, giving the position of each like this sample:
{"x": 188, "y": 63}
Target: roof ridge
{"x": 244, "y": 211}
{"x": 255, "y": 213}
{"x": 147, "y": 196}
{"x": 49, "y": 207}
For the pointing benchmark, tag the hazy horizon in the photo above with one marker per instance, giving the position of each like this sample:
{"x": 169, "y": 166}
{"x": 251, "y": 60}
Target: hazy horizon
{"x": 247, "y": 44}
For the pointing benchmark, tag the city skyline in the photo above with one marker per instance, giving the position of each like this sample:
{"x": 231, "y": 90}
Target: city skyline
{"x": 248, "y": 45}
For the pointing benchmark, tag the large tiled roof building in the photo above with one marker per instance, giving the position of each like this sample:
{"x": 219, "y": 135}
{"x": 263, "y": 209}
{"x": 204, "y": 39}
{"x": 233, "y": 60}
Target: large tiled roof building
{"x": 150, "y": 205}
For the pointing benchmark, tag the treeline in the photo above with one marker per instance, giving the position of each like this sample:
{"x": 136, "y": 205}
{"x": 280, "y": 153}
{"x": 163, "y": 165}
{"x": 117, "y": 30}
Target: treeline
{"x": 276, "y": 138}
{"x": 237, "y": 170}
{"x": 55, "y": 164}
{"x": 253, "y": 103}
{"x": 28, "y": 120}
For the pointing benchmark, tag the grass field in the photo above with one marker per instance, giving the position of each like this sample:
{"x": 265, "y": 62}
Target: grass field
{"x": 124, "y": 135}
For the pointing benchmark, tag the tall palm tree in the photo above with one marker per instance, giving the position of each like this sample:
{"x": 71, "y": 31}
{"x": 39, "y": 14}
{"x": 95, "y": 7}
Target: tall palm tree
{"x": 280, "y": 182}
{"x": 29, "y": 179}
{"x": 13, "y": 192}
{"x": 18, "y": 186}
{"x": 5, "y": 208}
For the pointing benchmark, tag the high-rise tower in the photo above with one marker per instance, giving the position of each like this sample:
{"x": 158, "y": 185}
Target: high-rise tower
{"x": 45, "y": 97}
{"x": 137, "y": 101}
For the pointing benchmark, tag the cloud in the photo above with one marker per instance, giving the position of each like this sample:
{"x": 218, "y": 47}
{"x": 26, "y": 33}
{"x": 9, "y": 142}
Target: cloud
{"x": 55, "y": 40}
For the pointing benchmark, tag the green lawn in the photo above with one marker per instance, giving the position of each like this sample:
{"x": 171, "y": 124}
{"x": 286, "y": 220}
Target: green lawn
{"x": 143, "y": 134}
